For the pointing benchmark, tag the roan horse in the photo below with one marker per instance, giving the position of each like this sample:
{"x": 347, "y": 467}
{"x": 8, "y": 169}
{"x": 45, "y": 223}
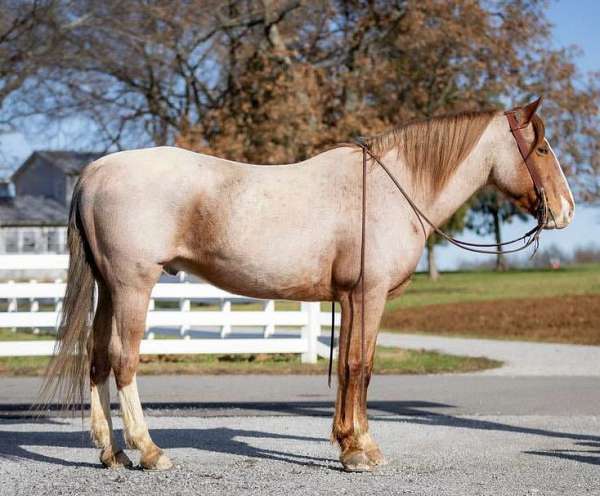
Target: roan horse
{"x": 286, "y": 232}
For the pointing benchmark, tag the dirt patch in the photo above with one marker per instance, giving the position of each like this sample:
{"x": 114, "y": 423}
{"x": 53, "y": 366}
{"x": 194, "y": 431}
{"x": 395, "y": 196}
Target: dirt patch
{"x": 564, "y": 319}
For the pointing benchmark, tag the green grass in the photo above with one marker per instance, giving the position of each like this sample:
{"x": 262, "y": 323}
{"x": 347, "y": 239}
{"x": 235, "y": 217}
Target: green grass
{"x": 399, "y": 361}
{"x": 9, "y": 335}
{"x": 486, "y": 285}
{"x": 387, "y": 361}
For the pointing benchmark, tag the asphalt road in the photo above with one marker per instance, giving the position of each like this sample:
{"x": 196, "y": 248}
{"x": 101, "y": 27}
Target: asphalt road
{"x": 451, "y": 434}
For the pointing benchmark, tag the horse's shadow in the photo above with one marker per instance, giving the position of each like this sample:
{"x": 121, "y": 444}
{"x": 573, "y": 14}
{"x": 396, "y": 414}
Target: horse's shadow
{"x": 235, "y": 441}
{"x": 590, "y": 456}
{"x": 13, "y": 445}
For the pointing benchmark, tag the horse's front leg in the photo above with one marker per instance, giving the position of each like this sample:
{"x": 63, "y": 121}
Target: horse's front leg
{"x": 350, "y": 426}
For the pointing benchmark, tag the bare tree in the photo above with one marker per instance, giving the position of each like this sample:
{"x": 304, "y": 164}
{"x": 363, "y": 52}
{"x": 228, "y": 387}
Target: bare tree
{"x": 30, "y": 38}
{"x": 277, "y": 80}
{"x": 142, "y": 71}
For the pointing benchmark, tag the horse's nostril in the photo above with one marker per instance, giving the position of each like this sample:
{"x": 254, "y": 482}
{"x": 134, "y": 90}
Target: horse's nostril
{"x": 567, "y": 210}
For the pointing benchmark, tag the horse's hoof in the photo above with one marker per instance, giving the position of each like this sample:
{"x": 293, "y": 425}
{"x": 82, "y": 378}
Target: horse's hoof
{"x": 356, "y": 461}
{"x": 156, "y": 461}
{"x": 115, "y": 460}
{"x": 376, "y": 457}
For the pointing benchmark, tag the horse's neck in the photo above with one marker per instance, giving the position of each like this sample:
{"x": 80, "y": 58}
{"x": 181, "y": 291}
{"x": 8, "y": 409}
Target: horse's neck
{"x": 470, "y": 176}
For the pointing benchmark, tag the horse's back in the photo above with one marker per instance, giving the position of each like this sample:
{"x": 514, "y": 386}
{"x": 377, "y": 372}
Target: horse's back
{"x": 146, "y": 161}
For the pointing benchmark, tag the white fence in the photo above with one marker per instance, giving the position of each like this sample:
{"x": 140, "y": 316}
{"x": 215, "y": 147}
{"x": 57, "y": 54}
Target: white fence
{"x": 222, "y": 330}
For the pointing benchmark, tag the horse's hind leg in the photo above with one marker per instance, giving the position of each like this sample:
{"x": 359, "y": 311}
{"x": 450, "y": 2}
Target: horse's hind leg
{"x": 130, "y": 305}
{"x": 101, "y": 423}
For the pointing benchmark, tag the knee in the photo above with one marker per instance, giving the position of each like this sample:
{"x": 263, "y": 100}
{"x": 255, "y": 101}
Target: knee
{"x": 356, "y": 367}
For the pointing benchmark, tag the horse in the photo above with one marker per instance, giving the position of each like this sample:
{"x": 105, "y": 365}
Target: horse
{"x": 292, "y": 232}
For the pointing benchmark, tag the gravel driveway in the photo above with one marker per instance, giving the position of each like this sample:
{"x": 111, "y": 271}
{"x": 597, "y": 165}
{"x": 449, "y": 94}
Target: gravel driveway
{"x": 237, "y": 435}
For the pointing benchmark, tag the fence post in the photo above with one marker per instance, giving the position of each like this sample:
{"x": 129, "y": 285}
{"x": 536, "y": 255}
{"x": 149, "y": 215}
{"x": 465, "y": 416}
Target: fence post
{"x": 58, "y": 306}
{"x": 58, "y": 303}
{"x": 269, "y": 310}
{"x": 13, "y": 305}
{"x": 226, "y": 312}
{"x": 184, "y": 307}
{"x": 34, "y": 306}
{"x": 311, "y": 330}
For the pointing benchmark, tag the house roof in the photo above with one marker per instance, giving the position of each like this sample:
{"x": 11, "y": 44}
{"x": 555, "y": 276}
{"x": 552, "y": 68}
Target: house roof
{"x": 68, "y": 161}
{"x": 32, "y": 211}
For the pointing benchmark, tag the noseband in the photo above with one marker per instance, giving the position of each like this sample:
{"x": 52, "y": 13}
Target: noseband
{"x": 531, "y": 237}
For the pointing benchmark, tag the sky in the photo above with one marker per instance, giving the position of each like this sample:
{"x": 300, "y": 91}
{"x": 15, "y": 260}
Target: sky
{"x": 575, "y": 23}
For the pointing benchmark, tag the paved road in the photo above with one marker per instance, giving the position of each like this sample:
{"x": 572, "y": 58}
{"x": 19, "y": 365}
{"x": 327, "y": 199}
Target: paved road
{"x": 450, "y": 434}
{"x": 464, "y": 394}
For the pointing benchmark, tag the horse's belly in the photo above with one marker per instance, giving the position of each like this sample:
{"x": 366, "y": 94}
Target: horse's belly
{"x": 271, "y": 276}
{"x": 258, "y": 237}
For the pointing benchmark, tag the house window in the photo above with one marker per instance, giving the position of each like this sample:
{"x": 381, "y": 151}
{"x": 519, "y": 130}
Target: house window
{"x": 11, "y": 241}
{"x": 53, "y": 239}
{"x": 28, "y": 241}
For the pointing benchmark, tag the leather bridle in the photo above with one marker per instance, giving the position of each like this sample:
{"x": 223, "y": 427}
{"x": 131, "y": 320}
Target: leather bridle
{"x": 515, "y": 129}
{"x": 531, "y": 237}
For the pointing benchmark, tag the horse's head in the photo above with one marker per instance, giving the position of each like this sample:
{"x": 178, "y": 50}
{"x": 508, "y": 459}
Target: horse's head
{"x": 526, "y": 167}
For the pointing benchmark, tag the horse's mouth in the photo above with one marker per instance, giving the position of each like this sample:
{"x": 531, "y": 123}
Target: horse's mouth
{"x": 559, "y": 222}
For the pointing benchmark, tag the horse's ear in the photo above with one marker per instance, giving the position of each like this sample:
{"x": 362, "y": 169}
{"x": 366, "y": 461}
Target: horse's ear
{"x": 526, "y": 113}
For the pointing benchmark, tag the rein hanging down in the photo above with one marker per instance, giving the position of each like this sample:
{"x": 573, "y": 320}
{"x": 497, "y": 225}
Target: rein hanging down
{"x": 531, "y": 237}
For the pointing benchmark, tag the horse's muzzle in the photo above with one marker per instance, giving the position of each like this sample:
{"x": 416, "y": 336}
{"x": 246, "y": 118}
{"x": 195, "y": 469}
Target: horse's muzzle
{"x": 562, "y": 219}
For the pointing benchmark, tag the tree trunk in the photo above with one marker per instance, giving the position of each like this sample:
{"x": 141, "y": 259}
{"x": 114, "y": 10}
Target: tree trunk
{"x": 431, "y": 265}
{"x": 501, "y": 264}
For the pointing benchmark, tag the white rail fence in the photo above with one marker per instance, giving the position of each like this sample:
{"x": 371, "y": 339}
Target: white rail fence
{"x": 223, "y": 330}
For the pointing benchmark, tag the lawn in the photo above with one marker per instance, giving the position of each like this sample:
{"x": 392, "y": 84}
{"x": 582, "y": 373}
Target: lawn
{"x": 487, "y": 285}
{"x": 387, "y": 361}
{"x": 538, "y": 305}
{"x": 9, "y": 335}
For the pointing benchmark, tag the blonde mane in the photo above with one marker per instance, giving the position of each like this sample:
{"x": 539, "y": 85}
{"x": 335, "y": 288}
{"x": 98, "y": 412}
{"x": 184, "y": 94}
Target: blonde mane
{"x": 432, "y": 149}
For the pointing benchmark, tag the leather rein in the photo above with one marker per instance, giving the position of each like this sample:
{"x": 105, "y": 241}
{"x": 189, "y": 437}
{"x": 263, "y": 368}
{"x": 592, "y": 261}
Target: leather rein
{"x": 531, "y": 237}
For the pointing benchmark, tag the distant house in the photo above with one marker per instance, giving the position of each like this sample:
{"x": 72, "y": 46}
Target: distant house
{"x": 34, "y": 203}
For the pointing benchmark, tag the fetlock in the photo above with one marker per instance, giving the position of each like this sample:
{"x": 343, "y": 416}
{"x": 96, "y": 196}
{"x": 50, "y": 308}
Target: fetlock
{"x": 117, "y": 459}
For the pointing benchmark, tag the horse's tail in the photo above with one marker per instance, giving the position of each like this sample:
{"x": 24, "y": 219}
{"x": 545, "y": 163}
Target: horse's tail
{"x": 69, "y": 368}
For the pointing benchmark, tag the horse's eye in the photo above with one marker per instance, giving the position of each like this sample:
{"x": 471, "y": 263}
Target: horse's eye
{"x": 542, "y": 150}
